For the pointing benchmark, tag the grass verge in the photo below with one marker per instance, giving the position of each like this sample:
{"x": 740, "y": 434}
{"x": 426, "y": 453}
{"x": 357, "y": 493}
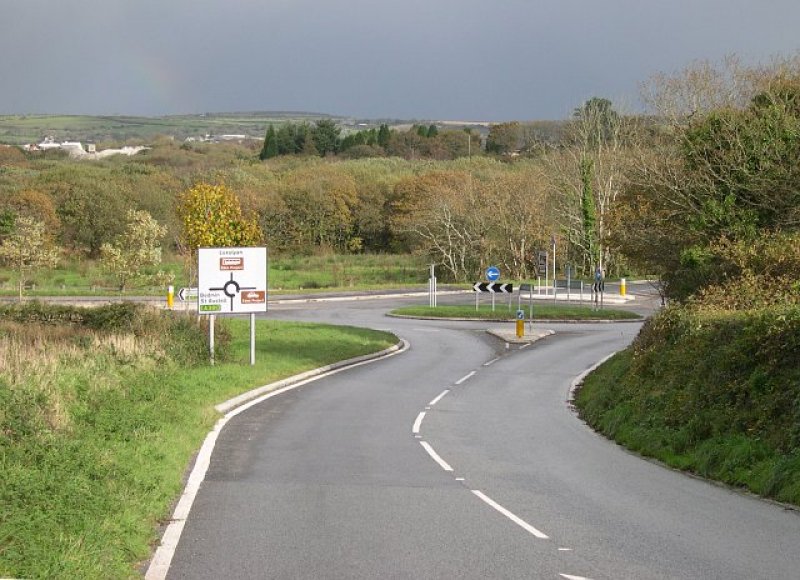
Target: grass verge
{"x": 715, "y": 394}
{"x": 98, "y": 423}
{"x": 327, "y": 272}
{"x": 543, "y": 311}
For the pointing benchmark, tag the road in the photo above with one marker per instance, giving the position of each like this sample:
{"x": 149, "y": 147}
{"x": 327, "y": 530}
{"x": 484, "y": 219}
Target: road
{"x": 347, "y": 478}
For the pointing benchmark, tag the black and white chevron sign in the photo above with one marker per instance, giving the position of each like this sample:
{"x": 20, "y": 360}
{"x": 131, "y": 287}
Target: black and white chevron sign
{"x": 493, "y": 287}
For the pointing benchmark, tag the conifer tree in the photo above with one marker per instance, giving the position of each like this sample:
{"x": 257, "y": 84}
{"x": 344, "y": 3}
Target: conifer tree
{"x": 270, "y": 148}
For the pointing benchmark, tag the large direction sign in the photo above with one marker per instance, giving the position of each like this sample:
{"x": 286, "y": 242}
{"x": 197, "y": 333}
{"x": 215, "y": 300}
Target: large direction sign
{"x": 493, "y": 287}
{"x": 231, "y": 280}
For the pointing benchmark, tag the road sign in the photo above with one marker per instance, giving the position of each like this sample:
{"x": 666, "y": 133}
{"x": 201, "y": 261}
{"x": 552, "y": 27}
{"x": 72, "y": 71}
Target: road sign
{"x": 185, "y": 294}
{"x": 492, "y": 273}
{"x": 231, "y": 280}
{"x": 520, "y": 315}
{"x": 542, "y": 262}
{"x": 493, "y": 287}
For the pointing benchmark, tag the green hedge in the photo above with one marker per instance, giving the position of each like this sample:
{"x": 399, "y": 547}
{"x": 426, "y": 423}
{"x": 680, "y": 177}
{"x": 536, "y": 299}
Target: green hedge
{"x": 716, "y": 393}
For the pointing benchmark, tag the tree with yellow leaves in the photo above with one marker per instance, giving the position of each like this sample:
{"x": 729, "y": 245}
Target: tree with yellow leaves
{"x": 212, "y": 217}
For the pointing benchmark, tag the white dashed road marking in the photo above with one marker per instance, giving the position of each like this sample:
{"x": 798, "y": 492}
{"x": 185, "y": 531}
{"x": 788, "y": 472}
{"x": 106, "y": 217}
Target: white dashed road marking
{"x": 517, "y": 520}
{"x": 435, "y": 456}
{"x": 465, "y": 378}
{"x": 418, "y": 423}
{"x": 439, "y": 398}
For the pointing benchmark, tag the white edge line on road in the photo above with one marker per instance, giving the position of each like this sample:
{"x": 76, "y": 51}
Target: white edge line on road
{"x": 465, "y": 377}
{"x": 517, "y": 520}
{"x": 435, "y": 456}
{"x": 439, "y": 398}
{"x": 491, "y": 362}
{"x": 568, "y": 577}
{"x": 160, "y": 563}
{"x": 418, "y": 423}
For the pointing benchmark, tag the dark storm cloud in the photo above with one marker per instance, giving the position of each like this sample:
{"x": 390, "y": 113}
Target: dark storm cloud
{"x": 444, "y": 59}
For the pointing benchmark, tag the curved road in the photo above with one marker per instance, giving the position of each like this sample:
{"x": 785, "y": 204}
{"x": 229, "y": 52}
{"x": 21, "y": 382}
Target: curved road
{"x": 347, "y": 478}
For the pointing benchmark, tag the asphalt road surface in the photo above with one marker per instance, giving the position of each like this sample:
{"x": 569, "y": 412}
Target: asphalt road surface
{"x": 461, "y": 459}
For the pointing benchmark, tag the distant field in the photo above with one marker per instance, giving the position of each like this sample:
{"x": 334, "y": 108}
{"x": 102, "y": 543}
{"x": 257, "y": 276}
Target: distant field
{"x": 286, "y": 274}
{"x": 21, "y": 129}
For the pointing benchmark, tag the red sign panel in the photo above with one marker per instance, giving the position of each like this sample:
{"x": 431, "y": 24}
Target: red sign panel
{"x": 231, "y": 264}
{"x": 254, "y": 296}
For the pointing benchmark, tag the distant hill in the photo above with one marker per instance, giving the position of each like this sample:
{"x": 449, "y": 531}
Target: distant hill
{"x": 21, "y": 129}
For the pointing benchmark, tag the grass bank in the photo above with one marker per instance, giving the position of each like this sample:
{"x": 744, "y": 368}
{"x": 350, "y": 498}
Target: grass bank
{"x": 100, "y": 414}
{"x": 543, "y": 311}
{"x": 714, "y": 393}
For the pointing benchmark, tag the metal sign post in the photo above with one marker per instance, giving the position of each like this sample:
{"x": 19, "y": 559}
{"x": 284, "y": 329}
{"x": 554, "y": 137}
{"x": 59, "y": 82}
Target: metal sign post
{"x": 432, "y": 287}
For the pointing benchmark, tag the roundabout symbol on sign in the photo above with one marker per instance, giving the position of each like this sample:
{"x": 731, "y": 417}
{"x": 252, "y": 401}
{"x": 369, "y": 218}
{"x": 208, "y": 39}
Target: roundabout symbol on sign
{"x": 231, "y": 288}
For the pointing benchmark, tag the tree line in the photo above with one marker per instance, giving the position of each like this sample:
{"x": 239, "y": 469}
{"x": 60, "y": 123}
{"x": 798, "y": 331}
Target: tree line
{"x": 679, "y": 193}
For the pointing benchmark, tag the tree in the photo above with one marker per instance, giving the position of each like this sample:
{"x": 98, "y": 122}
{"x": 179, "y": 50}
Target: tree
{"x": 27, "y": 249}
{"x": 270, "y": 148}
{"x": 730, "y": 173}
{"x": 503, "y": 138}
{"x": 137, "y": 249}
{"x": 326, "y": 136}
{"x": 212, "y": 216}
{"x": 433, "y": 130}
{"x": 383, "y": 135}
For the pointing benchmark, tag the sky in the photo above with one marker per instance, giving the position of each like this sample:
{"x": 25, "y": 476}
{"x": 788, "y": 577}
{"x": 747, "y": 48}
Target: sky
{"x": 476, "y": 60}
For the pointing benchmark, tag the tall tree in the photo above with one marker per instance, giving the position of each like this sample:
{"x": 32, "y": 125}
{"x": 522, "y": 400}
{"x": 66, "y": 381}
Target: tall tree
{"x": 383, "y": 135}
{"x": 136, "y": 250}
{"x": 28, "y": 248}
{"x": 326, "y": 136}
{"x": 503, "y": 138}
{"x": 270, "y": 148}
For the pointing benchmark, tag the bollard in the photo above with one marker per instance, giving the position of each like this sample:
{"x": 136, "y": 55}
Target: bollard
{"x": 170, "y": 297}
{"x": 520, "y": 328}
{"x": 622, "y": 288}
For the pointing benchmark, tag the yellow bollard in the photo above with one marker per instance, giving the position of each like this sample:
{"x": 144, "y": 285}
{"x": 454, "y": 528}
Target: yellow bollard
{"x": 170, "y": 296}
{"x": 622, "y": 288}
{"x": 520, "y": 328}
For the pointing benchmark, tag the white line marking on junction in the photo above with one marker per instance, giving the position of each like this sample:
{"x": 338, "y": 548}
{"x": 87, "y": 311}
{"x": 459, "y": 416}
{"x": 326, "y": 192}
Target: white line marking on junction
{"x": 465, "y": 378}
{"x": 565, "y": 549}
{"x": 418, "y": 423}
{"x": 459, "y": 479}
{"x": 568, "y": 577}
{"x": 435, "y": 456}
{"x": 517, "y": 520}
{"x": 491, "y": 362}
{"x": 526, "y": 345}
{"x": 439, "y": 398}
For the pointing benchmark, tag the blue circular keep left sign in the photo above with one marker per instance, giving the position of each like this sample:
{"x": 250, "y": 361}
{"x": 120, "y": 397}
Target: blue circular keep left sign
{"x": 492, "y": 273}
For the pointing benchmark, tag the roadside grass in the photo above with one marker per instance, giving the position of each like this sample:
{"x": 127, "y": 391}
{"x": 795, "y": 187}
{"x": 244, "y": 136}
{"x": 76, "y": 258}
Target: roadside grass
{"x": 99, "y": 422}
{"x": 715, "y": 394}
{"x": 543, "y": 311}
{"x": 286, "y": 274}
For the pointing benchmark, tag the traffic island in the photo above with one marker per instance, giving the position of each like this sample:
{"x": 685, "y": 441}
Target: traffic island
{"x": 510, "y": 335}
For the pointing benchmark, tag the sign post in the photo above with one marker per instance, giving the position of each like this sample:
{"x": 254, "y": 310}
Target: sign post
{"x": 432, "y": 287}
{"x": 492, "y": 275}
{"x": 232, "y": 281}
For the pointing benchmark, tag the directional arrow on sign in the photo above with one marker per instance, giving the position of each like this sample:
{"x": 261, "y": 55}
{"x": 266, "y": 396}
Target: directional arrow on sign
{"x": 187, "y": 294}
{"x": 493, "y": 287}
